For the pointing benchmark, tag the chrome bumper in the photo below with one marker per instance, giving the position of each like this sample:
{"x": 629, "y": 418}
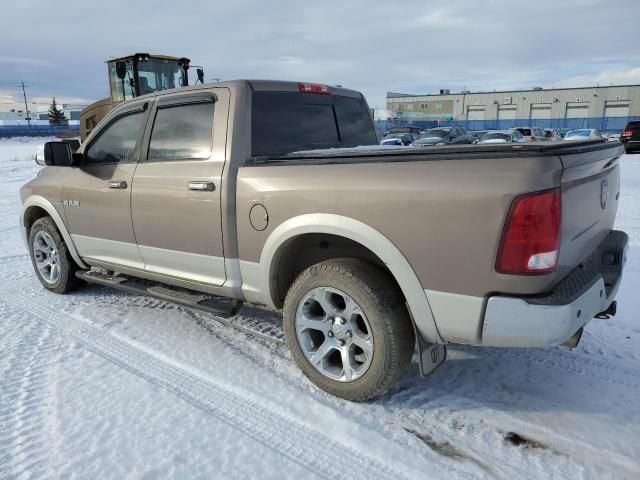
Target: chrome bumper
{"x": 554, "y": 318}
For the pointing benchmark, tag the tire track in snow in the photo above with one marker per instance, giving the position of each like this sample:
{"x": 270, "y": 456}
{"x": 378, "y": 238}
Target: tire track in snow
{"x": 24, "y": 449}
{"x": 392, "y": 415}
{"x": 259, "y": 420}
{"x": 574, "y": 362}
{"x": 489, "y": 433}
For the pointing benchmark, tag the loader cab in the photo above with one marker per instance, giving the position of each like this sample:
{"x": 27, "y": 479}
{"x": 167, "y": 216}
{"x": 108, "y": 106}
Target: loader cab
{"x": 142, "y": 73}
{"x": 135, "y": 75}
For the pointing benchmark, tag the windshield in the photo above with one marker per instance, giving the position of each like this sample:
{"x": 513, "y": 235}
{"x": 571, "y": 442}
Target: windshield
{"x": 579, "y": 133}
{"x": 496, "y": 136}
{"x": 154, "y": 75}
{"x": 436, "y": 133}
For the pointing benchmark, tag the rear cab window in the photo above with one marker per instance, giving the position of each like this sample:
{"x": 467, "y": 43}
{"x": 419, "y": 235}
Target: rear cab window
{"x": 182, "y": 132}
{"x": 285, "y": 122}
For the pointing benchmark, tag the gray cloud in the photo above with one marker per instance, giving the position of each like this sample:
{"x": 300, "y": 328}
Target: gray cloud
{"x": 413, "y": 46}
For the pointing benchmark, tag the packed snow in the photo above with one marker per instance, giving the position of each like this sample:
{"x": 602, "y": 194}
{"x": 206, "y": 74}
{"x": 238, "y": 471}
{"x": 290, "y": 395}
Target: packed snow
{"x": 103, "y": 384}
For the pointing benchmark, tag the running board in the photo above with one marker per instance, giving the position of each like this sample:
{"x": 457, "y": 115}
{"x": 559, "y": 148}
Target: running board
{"x": 218, "y": 306}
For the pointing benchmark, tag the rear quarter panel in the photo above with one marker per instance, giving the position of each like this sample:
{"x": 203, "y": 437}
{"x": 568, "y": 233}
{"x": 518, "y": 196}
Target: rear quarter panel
{"x": 445, "y": 216}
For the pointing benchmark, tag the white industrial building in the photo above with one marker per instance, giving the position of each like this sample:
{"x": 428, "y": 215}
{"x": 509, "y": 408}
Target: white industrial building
{"x": 605, "y": 108}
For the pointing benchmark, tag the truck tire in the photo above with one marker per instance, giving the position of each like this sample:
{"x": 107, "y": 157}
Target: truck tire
{"x": 50, "y": 257}
{"x": 348, "y": 328}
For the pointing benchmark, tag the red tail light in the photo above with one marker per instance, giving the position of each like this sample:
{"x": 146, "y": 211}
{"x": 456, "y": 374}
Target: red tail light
{"x": 531, "y": 236}
{"x": 626, "y": 133}
{"x": 312, "y": 88}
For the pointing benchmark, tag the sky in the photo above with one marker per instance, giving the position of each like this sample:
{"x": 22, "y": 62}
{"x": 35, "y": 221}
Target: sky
{"x": 59, "y": 48}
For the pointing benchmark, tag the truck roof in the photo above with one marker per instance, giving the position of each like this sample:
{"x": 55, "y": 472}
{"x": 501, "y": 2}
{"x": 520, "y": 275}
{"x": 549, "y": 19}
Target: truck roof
{"x": 256, "y": 86}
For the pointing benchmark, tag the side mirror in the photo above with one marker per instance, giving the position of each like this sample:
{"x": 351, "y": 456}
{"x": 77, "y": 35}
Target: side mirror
{"x": 57, "y": 154}
{"x": 74, "y": 144}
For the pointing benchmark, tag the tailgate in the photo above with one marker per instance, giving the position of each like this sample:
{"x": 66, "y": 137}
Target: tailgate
{"x": 590, "y": 192}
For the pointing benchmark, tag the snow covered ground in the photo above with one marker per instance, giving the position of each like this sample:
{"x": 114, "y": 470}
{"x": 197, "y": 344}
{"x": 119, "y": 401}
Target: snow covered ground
{"x": 102, "y": 384}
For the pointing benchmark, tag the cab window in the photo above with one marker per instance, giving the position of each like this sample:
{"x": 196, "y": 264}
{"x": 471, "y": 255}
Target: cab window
{"x": 117, "y": 142}
{"x": 183, "y": 132}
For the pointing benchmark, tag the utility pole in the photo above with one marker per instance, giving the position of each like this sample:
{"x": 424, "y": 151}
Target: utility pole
{"x": 26, "y": 105}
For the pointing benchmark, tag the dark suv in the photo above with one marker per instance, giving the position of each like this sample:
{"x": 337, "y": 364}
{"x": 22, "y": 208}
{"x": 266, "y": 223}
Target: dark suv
{"x": 443, "y": 136}
{"x": 630, "y": 136}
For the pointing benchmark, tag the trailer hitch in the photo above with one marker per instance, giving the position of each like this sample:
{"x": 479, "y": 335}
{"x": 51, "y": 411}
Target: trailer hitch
{"x": 609, "y": 312}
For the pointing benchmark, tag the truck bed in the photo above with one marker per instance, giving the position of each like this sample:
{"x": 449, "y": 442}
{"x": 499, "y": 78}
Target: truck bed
{"x": 379, "y": 153}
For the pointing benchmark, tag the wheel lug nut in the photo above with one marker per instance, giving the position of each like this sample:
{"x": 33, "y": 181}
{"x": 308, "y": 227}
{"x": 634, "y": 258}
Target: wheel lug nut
{"x": 342, "y": 342}
{"x": 330, "y": 334}
{"x": 342, "y": 321}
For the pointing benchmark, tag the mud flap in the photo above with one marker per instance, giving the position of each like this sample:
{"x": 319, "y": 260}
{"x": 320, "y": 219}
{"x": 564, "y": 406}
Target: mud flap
{"x": 432, "y": 355}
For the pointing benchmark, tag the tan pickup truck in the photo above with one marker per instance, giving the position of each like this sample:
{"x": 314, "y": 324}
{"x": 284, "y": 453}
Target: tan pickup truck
{"x": 275, "y": 193}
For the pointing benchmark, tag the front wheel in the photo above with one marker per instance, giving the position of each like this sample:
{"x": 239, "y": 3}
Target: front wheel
{"x": 348, "y": 328}
{"x": 50, "y": 257}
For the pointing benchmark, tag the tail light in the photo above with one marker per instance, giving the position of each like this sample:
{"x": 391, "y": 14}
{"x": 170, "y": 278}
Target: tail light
{"x": 531, "y": 237}
{"x": 626, "y": 133}
{"x": 312, "y": 88}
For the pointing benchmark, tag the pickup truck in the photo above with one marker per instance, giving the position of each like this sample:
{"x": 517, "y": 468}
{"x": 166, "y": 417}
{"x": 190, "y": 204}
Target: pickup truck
{"x": 276, "y": 193}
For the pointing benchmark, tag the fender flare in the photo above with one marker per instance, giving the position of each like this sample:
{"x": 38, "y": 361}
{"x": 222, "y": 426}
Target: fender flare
{"x": 47, "y": 206}
{"x": 368, "y": 237}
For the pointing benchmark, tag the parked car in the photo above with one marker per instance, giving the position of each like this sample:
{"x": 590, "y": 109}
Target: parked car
{"x": 630, "y": 136}
{"x": 443, "y": 136}
{"x": 396, "y": 130}
{"x": 368, "y": 252}
{"x": 502, "y": 136}
{"x": 533, "y": 134}
{"x": 477, "y": 134}
{"x": 552, "y": 134}
{"x": 613, "y": 137}
{"x": 583, "y": 134}
{"x": 401, "y": 139}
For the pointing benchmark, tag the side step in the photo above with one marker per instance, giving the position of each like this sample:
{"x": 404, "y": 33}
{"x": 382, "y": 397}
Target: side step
{"x": 218, "y": 306}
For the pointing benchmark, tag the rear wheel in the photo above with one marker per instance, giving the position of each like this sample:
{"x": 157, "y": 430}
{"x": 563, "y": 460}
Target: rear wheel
{"x": 51, "y": 258}
{"x": 348, "y": 329}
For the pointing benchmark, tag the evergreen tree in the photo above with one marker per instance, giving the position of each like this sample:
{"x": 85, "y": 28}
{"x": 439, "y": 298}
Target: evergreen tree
{"x": 56, "y": 115}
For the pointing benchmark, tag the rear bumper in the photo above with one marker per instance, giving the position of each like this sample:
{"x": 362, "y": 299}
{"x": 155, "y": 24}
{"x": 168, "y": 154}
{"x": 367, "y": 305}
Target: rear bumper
{"x": 556, "y": 317}
{"x": 630, "y": 144}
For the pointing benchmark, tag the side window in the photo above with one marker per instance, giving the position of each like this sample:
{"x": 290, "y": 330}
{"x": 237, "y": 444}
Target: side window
{"x": 117, "y": 142}
{"x": 183, "y": 132}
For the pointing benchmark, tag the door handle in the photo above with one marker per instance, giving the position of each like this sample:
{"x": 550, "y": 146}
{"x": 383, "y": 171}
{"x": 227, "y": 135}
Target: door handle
{"x": 116, "y": 184}
{"x": 202, "y": 186}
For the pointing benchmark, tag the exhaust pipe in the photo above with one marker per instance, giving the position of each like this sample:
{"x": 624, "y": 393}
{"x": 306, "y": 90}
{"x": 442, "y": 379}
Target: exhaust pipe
{"x": 574, "y": 340}
{"x": 609, "y": 312}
